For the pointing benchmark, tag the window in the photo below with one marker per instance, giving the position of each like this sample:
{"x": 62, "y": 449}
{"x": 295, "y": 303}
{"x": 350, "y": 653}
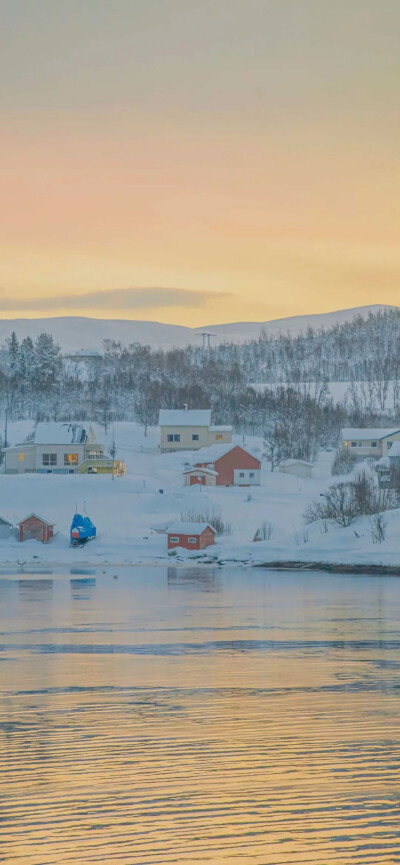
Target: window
{"x": 70, "y": 459}
{"x": 21, "y": 457}
{"x": 354, "y": 444}
{"x": 374, "y": 444}
{"x": 195, "y": 437}
{"x": 219, "y": 437}
{"x": 174, "y": 540}
{"x": 49, "y": 459}
{"x": 192, "y": 540}
{"x": 170, "y": 438}
{"x": 241, "y": 474}
{"x": 251, "y": 474}
{"x": 389, "y": 444}
{"x": 362, "y": 444}
{"x": 177, "y": 437}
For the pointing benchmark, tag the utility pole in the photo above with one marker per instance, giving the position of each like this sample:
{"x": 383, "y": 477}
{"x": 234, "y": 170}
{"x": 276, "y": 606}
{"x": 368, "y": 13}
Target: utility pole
{"x": 243, "y": 413}
{"x": 5, "y": 438}
{"x": 113, "y": 451}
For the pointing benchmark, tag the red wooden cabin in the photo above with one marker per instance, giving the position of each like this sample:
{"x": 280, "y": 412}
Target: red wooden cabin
{"x": 234, "y": 465}
{"x": 35, "y": 528}
{"x": 190, "y": 536}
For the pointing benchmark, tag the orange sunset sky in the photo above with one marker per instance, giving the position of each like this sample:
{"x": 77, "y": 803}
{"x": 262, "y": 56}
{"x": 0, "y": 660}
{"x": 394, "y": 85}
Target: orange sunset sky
{"x": 197, "y": 161}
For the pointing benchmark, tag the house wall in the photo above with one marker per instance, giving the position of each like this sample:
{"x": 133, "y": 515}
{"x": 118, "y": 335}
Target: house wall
{"x": 187, "y": 442}
{"x": 59, "y": 450}
{"x": 20, "y": 460}
{"x": 222, "y": 438}
{"x": 299, "y": 470}
{"x": 206, "y": 539}
{"x": 210, "y": 480}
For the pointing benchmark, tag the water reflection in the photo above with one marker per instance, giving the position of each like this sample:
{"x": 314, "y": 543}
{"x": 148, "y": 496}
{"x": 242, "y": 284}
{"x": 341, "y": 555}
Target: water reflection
{"x": 200, "y": 716}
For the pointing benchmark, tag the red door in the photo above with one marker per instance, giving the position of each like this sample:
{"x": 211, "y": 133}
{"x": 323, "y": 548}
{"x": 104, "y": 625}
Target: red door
{"x": 197, "y": 480}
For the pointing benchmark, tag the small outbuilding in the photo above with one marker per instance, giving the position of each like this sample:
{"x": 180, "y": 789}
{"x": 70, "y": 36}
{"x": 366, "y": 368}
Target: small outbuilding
{"x": 299, "y": 468}
{"x": 35, "y": 528}
{"x": 190, "y": 536}
{"x": 204, "y": 477}
{"x": 5, "y": 528}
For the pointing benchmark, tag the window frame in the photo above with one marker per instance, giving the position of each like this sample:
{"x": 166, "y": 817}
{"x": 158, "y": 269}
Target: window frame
{"x": 71, "y": 462}
{"x": 51, "y": 460}
{"x": 174, "y": 539}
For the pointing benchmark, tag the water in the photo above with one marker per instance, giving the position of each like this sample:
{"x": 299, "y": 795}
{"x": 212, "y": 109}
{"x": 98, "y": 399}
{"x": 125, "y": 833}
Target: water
{"x": 199, "y": 716}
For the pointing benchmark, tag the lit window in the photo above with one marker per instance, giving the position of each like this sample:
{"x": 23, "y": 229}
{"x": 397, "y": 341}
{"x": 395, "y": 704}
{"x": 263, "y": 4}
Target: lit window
{"x": 219, "y": 437}
{"x": 21, "y": 457}
{"x": 70, "y": 459}
{"x": 174, "y": 540}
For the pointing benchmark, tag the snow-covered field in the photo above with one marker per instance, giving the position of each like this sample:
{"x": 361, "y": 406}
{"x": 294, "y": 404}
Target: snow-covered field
{"x": 124, "y": 510}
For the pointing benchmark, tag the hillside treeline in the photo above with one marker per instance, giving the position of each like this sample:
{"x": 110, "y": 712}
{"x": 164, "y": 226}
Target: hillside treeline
{"x": 293, "y": 403}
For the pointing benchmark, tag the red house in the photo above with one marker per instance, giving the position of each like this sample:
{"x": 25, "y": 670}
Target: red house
{"x": 235, "y": 466}
{"x": 35, "y": 528}
{"x": 190, "y": 536}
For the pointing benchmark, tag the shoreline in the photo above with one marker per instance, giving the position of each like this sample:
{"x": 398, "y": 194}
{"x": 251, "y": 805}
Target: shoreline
{"x": 331, "y": 567}
{"x": 42, "y": 567}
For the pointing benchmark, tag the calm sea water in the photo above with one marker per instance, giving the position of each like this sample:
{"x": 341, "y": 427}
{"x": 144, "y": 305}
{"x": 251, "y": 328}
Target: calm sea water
{"x": 199, "y": 716}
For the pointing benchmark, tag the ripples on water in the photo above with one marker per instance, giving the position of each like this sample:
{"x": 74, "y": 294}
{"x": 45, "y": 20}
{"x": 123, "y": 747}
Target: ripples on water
{"x": 202, "y": 716}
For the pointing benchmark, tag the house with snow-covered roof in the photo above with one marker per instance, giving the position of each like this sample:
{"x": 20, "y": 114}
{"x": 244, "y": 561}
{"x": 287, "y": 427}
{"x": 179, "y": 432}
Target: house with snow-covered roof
{"x": 55, "y": 448}
{"x": 189, "y": 429}
{"x": 190, "y": 536}
{"x": 224, "y": 465}
{"x": 369, "y": 442}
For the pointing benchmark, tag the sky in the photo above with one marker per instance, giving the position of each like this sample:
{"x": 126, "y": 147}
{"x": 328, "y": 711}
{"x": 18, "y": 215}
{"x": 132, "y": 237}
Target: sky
{"x": 198, "y": 161}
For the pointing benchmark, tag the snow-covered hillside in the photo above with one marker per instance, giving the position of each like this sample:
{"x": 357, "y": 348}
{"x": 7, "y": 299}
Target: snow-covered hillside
{"x": 74, "y": 333}
{"x": 124, "y": 511}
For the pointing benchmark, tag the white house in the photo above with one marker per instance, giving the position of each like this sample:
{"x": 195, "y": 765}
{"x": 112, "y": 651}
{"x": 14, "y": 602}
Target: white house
{"x": 53, "y": 448}
{"x": 363, "y": 443}
{"x": 190, "y": 429}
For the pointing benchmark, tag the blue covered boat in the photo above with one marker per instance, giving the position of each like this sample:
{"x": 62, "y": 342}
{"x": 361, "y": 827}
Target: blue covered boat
{"x": 82, "y": 530}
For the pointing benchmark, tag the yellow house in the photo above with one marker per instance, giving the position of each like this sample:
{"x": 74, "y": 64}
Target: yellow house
{"x": 190, "y": 430}
{"x": 363, "y": 443}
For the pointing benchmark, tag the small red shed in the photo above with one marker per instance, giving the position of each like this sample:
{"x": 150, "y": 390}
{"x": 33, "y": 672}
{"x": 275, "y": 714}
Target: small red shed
{"x": 235, "y": 466}
{"x": 190, "y": 536}
{"x": 35, "y": 528}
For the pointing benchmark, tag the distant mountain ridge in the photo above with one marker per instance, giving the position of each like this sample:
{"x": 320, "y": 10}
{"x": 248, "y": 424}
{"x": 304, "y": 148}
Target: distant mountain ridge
{"x": 78, "y": 332}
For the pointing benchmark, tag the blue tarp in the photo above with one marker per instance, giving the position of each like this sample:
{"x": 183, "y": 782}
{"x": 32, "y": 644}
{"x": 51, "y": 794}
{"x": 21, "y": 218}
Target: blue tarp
{"x": 82, "y": 529}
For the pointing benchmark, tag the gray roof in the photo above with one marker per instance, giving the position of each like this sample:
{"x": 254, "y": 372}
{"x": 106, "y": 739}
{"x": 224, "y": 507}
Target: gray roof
{"x": 214, "y": 452}
{"x": 366, "y": 434}
{"x": 182, "y": 417}
{"x": 189, "y": 528}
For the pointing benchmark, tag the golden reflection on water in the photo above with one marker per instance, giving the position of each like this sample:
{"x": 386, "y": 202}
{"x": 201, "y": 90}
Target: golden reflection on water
{"x": 199, "y": 717}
